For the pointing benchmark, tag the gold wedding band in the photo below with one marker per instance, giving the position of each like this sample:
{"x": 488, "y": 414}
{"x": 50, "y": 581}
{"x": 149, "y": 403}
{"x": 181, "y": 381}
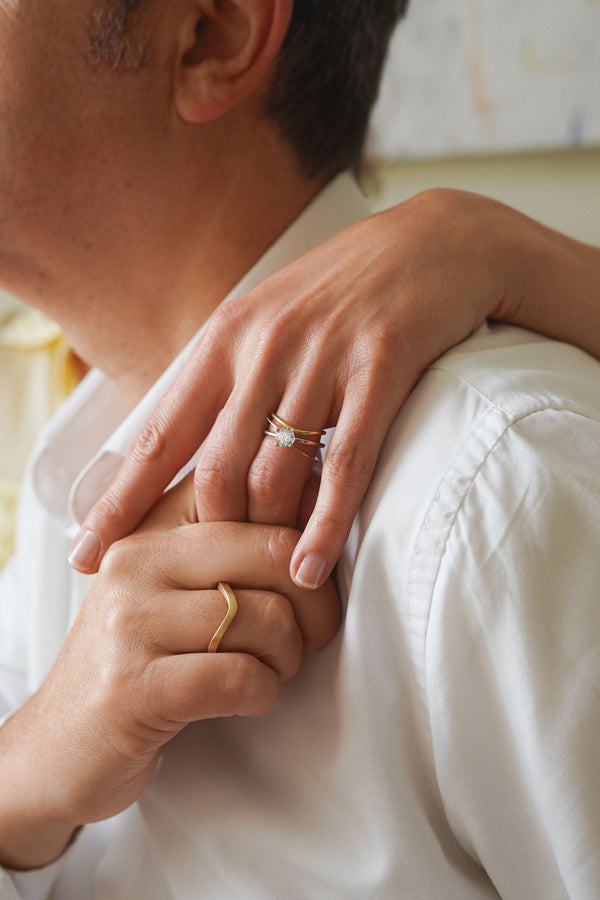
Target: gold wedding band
{"x": 288, "y": 436}
{"x": 232, "y": 608}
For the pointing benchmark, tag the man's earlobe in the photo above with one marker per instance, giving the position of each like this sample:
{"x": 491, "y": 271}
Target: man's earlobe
{"x": 227, "y": 50}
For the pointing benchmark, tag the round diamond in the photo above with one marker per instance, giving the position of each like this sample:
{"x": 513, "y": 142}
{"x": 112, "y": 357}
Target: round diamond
{"x": 285, "y": 437}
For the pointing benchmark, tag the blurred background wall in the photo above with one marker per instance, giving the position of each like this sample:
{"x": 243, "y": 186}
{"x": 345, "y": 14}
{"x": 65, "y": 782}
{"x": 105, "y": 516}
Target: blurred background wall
{"x": 500, "y": 97}
{"x": 560, "y": 188}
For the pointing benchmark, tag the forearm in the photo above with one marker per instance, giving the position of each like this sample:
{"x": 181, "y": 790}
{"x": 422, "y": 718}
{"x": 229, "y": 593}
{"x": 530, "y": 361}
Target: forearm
{"x": 30, "y": 833}
{"x": 555, "y": 281}
{"x": 33, "y": 831}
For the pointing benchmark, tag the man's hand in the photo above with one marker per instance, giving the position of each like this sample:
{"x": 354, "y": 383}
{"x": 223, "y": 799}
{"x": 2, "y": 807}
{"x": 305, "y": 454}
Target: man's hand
{"x": 134, "y": 670}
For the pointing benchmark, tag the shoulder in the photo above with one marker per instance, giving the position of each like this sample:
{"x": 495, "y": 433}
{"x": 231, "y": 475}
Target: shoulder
{"x": 486, "y": 499}
{"x": 504, "y": 412}
{"x": 525, "y": 465}
{"x": 506, "y": 578}
{"x": 475, "y": 587}
{"x": 520, "y": 371}
{"x": 478, "y": 547}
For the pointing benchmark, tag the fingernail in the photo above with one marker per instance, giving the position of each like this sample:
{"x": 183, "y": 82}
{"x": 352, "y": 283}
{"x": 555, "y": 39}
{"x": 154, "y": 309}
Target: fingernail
{"x": 311, "y": 571}
{"x": 85, "y": 551}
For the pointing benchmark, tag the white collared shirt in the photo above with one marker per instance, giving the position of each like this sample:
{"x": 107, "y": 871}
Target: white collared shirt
{"x": 37, "y": 373}
{"x": 444, "y": 744}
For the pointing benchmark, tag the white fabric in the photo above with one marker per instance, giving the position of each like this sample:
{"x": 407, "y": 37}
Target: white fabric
{"x": 37, "y": 373}
{"x": 444, "y": 744}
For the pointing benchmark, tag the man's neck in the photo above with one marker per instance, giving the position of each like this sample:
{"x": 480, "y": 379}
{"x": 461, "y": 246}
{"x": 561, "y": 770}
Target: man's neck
{"x": 186, "y": 278}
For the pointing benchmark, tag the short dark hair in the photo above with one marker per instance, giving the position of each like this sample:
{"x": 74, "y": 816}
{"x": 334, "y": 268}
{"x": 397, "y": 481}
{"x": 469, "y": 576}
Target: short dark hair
{"x": 325, "y": 81}
{"x": 327, "y": 78}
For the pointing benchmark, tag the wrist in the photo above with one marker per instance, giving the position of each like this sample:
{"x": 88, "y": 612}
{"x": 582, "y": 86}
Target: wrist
{"x": 32, "y": 832}
{"x": 496, "y": 234}
{"x": 544, "y": 268}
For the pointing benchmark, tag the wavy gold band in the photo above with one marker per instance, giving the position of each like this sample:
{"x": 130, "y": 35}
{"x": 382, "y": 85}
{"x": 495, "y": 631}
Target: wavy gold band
{"x": 232, "y": 608}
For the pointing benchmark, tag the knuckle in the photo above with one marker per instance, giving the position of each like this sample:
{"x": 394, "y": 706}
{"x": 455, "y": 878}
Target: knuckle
{"x": 267, "y": 485}
{"x": 211, "y": 475}
{"x": 117, "y": 560}
{"x": 379, "y": 356}
{"x": 125, "y": 562}
{"x": 241, "y": 688}
{"x": 344, "y": 464}
{"x": 334, "y": 526}
{"x": 281, "y": 636}
{"x": 109, "y": 510}
{"x": 260, "y": 476}
{"x": 116, "y": 570}
{"x": 273, "y": 344}
{"x": 372, "y": 364}
{"x": 225, "y": 320}
{"x": 277, "y": 621}
{"x": 274, "y": 335}
{"x": 238, "y": 680}
{"x": 232, "y": 328}
{"x": 152, "y": 442}
{"x": 280, "y": 546}
{"x": 393, "y": 341}
{"x": 120, "y": 617}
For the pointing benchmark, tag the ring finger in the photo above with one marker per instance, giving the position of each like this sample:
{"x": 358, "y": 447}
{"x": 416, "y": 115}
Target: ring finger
{"x": 264, "y": 626}
{"x": 282, "y": 466}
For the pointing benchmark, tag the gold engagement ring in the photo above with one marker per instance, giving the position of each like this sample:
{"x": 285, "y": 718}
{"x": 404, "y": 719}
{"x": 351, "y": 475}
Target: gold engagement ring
{"x": 289, "y": 437}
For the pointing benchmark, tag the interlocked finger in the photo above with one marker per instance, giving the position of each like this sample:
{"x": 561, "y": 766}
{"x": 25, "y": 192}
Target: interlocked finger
{"x": 222, "y": 469}
{"x": 264, "y": 626}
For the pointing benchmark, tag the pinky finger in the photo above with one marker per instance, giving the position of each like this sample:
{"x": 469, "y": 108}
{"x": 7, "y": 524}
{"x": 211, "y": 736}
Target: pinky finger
{"x": 347, "y": 471}
{"x": 194, "y": 686}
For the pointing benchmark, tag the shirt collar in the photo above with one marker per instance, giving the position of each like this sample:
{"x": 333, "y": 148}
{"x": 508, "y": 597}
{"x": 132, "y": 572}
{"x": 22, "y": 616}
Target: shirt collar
{"x": 82, "y": 448}
{"x": 9, "y": 305}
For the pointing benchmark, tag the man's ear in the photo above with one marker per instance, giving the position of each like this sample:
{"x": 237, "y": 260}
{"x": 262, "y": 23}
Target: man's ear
{"x": 226, "y": 49}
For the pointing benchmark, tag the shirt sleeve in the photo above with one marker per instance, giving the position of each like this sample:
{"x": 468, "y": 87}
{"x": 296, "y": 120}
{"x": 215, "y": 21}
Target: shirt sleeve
{"x": 37, "y": 884}
{"x": 512, "y": 666}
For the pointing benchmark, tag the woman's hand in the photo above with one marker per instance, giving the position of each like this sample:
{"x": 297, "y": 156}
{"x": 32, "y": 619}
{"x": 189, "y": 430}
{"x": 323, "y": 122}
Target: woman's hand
{"x": 340, "y": 338}
{"x": 134, "y": 669}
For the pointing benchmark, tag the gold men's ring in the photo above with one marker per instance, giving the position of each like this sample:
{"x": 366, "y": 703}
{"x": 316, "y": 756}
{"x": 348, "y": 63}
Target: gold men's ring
{"x": 287, "y": 436}
{"x": 232, "y": 608}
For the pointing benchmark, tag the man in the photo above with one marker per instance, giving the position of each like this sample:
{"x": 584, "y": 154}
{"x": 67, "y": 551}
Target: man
{"x": 445, "y": 744}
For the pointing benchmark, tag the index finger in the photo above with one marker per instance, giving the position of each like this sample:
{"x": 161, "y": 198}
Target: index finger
{"x": 255, "y": 557}
{"x": 166, "y": 443}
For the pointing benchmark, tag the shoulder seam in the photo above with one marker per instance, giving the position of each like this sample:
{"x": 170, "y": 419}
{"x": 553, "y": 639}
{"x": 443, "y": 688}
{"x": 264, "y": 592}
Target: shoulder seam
{"x": 436, "y": 530}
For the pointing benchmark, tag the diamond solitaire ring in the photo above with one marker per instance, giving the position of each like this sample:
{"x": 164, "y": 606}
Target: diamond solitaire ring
{"x": 285, "y": 435}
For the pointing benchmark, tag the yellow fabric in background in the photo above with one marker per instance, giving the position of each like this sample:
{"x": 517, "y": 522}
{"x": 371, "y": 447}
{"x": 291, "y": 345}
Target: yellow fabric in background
{"x": 37, "y": 372}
